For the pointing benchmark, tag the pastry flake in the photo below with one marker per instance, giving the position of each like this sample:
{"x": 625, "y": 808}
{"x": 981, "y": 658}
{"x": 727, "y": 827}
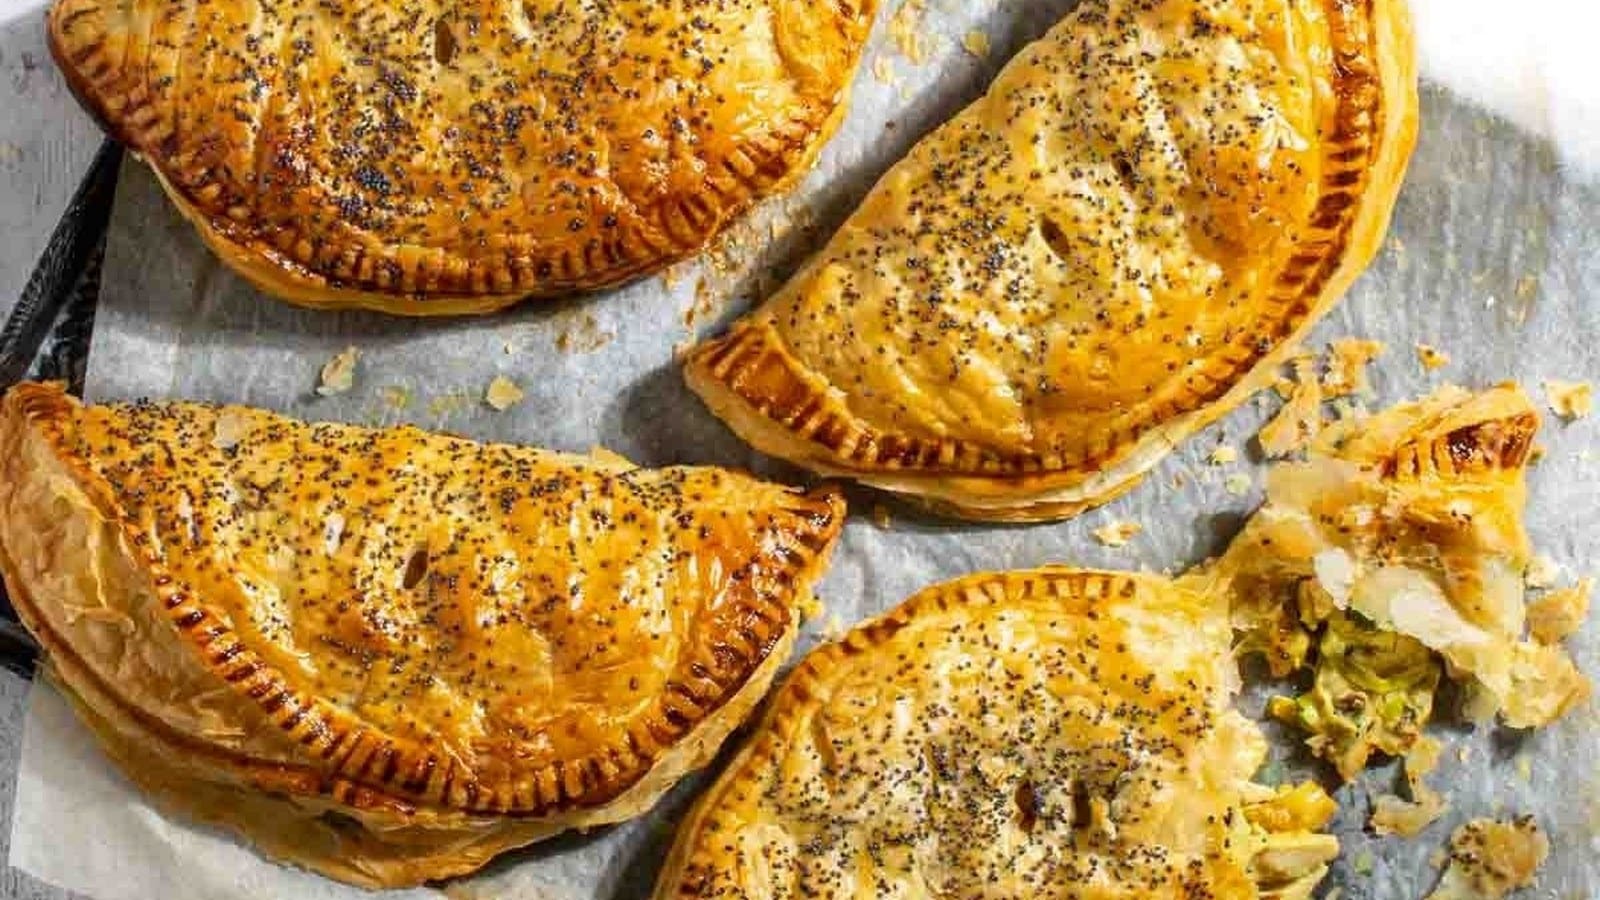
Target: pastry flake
{"x": 1115, "y": 246}
{"x": 1003, "y": 735}
{"x": 388, "y": 655}
{"x": 437, "y": 158}
{"x": 1393, "y": 554}
{"x": 1489, "y": 859}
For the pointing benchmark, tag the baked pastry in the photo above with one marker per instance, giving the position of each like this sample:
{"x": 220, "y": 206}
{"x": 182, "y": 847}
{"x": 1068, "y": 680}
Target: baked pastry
{"x": 1115, "y": 246}
{"x": 389, "y": 655}
{"x": 442, "y": 158}
{"x": 1393, "y": 556}
{"x": 1045, "y": 733}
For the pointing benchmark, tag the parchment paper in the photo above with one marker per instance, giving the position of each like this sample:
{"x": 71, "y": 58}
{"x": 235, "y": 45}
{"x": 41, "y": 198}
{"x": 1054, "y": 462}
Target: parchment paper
{"x": 1494, "y": 258}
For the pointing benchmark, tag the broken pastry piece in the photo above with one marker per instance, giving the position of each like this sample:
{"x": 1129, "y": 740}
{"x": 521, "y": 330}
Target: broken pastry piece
{"x": 442, "y": 158}
{"x": 1490, "y": 859}
{"x": 1005, "y": 735}
{"x": 1117, "y": 245}
{"x": 388, "y": 655}
{"x": 1392, "y": 555}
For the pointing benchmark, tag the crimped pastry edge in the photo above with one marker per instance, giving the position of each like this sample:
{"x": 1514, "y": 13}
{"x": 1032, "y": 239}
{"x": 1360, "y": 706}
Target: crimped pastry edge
{"x": 808, "y": 685}
{"x": 751, "y": 381}
{"x": 766, "y": 167}
{"x": 34, "y": 410}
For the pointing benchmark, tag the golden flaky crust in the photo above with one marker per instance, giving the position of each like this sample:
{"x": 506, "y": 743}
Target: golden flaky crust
{"x": 1046, "y": 733}
{"x": 388, "y": 654}
{"x": 1115, "y": 246}
{"x": 439, "y": 158}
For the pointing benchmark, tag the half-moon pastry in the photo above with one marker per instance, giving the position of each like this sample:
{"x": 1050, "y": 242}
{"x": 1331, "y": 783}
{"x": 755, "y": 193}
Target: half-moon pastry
{"x": 440, "y": 158}
{"x": 1046, "y": 733}
{"x": 387, "y": 655}
{"x": 1114, "y": 247}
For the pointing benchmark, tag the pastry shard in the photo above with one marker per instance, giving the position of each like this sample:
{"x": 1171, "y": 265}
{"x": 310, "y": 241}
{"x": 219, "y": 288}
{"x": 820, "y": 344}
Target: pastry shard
{"x": 1394, "y": 554}
{"x": 441, "y": 158}
{"x": 389, "y": 655}
{"x": 1114, "y": 247}
{"x": 1025, "y": 734}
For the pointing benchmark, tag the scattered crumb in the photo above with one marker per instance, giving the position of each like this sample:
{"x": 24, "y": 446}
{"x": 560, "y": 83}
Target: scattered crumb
{"x": 1527, "y": 286}
{"x": 1432, "y": 358}
{"x": 502, "y": 393}
{"x": 1406, "y": 818}
{"x": 1117, "y": 534}
{"x": 507, "y": 348}
{"x": 880, "y": 515}
{"x": 448, "y": 403}
{"x": 976, "y": 43}
{"x": 396, "y": 398}
{"x": 1348, "y": 359}
{"x": 1490, "y": 859}
{"x": 883, "y": 70}
{"x": 833, "y": 629}
{"x": 1238, "y": 484}
{"x": 9, "y": 152}
{"x": 1555, "y": 616}
{"x": 907, "y": 31}
{"x": 707, "y": 301}
{"x": 1463, "y": 753}
{"x": 1535, "y": 454}
{"x": 1569, "y": 399}
{"x": 1223, "y": 456}
{"x": 1542, "y": 572}
{"x": 1362, "y": 863}
{"x": 810, "y": 606}
{"x": 584, "y": 337}
{"x": 1301, "y": 416}
{"x": 1178, "y": 480}
{"x": 231, "y": 428}
{"x": 339, "y": 373}
{"x": 1524, "y": 768}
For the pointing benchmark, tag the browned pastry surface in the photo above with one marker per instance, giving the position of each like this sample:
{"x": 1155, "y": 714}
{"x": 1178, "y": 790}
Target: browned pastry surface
{"x": 1115, "y": 246}
{"x": 435, "y": 158}
{"x": 1050, "y": 733}
{"x": 455, "y": 647}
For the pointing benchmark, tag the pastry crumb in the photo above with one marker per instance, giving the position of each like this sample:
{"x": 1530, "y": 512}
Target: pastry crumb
{"x": 1432, "y": 358}
{"x": 1223, "y": 456}
{"x": 810, "y": 606}
{"x": 1237, "y": 484}
{"x": 502, "y": 393}
{"x": 1542, "y": 572}
{"x": 976, "y": 43}
{"x": 1348, "y": 359}
{"x": 833, "y": 629}
{"x": 339, "y": 373}
{"x": 1557, "y": 615}
{"x": 1300, "y": 418}
{"x": 1490, "y": 859}
{"x": 907, "y": 31}
{"x": 396, "y": 398}
{"x": 584, "y": 337}
{"x": 1117, "y": 534}
{"x": 449, "y": 403}
{"x": 1392, "y": 815}
{"x": 1569, "y": 399}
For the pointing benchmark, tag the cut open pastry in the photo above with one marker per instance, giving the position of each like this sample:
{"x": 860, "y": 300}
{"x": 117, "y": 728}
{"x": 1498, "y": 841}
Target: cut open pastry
{"x": 430, "y": 158}
{"x": 387, "y": 655}
{"x": 1115, "y": 246}
{"x": 1394, "y": 555}
{"x": 1045, "y": 733}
